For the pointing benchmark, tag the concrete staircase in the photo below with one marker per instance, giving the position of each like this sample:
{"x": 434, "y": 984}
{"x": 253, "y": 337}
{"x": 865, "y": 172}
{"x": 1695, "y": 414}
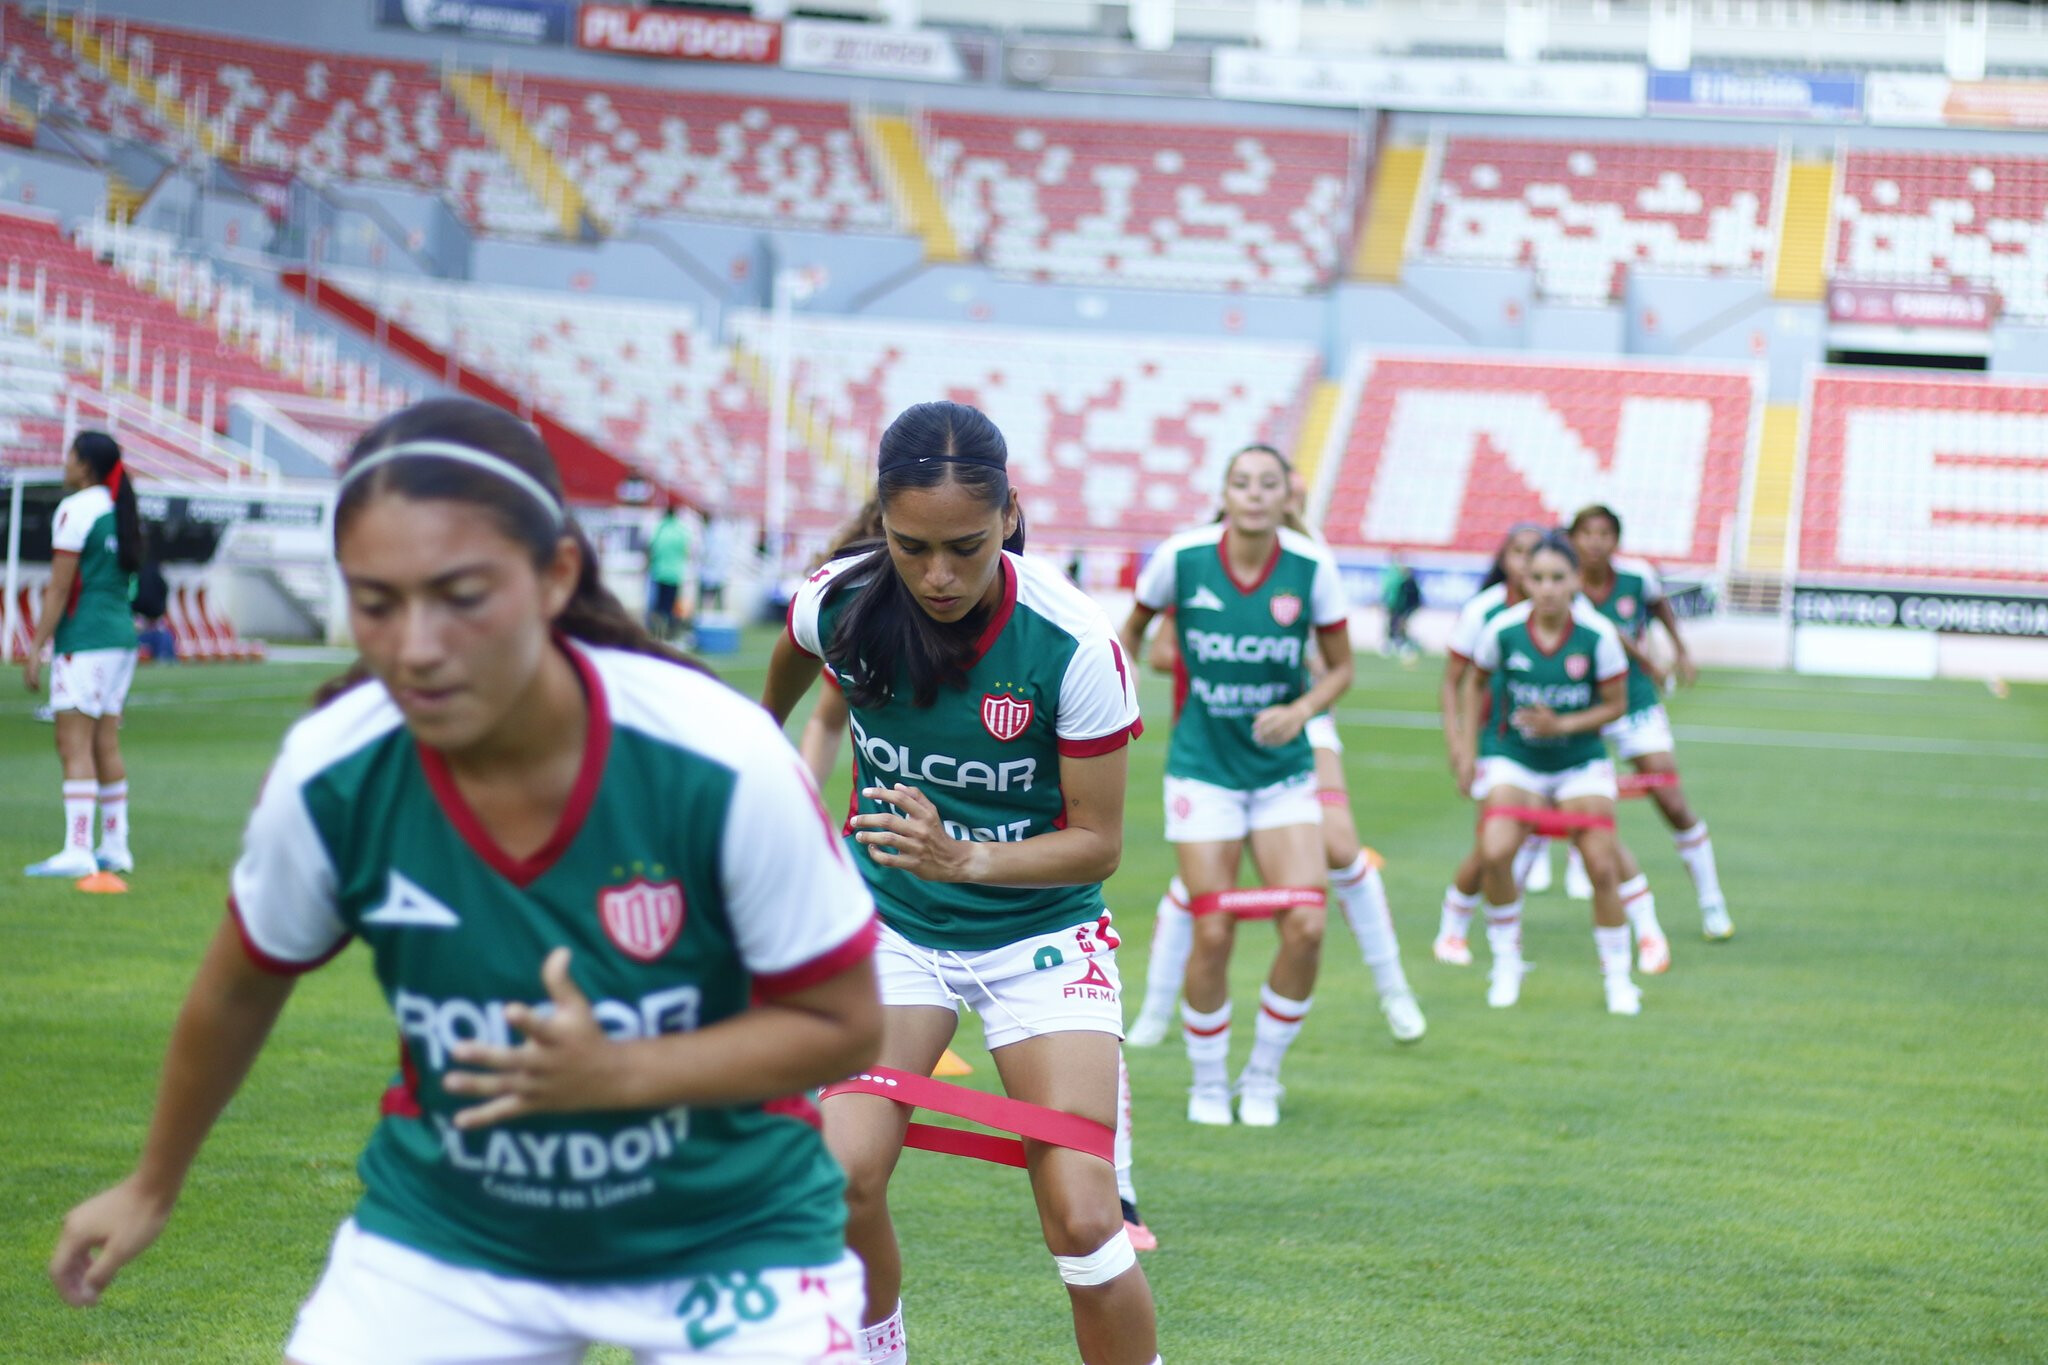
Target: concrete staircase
{"x": 1803, "y": 232}
{"x": 1383, "y": 243}
{"x": 893, "y": 143}
{"x": 488, "y": 107}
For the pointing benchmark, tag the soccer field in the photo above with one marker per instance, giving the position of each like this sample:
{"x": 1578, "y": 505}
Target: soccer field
{"x": 1823, "y": 1140}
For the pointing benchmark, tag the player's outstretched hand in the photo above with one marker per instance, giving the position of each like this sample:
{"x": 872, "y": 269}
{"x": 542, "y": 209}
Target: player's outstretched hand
{"x": 913, "y": 838}
{"x": 566, "y": 1063}
{"x": 100, "y": 1236}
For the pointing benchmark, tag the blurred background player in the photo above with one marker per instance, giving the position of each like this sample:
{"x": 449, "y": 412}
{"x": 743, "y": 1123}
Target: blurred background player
{"x": 991, "y": 712}
{"x": 1628, "y": 592}
{"x": 668, "y": 569}
{"x": 96, "y": 548}
{"x": 1248, "y": 597}
{"x": 466, "y": 801}
{"x": 1401, "y": 596}
{"x": 1551, "y": 672}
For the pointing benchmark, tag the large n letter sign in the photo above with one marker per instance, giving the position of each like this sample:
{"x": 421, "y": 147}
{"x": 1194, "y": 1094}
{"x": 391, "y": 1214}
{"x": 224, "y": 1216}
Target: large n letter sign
{"x": 1444, "y": 453}
{"x": 1925, "y": 478}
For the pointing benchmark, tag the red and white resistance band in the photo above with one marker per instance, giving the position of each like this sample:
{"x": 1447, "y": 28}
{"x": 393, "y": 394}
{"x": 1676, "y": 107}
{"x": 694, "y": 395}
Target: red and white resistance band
{"x": 1054, "y": 1127}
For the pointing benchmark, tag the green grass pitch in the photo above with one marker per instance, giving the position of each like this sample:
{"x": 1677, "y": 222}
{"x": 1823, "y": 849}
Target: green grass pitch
{"x": 1826, "y": 1140}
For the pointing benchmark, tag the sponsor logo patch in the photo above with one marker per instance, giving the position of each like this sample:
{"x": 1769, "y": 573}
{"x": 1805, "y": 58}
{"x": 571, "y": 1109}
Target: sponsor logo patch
{"x": 642, "y": 918}
{"x": 407, "y": 906}
{"x": 1201, "y": 599}
{"x": 1091, "y": 984}
{"x": 1518, "y": 663}
{"x": 1005, "y": 716}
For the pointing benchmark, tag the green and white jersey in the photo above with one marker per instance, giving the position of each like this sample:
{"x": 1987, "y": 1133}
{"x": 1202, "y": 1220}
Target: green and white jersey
{"x": 693, "y": 870}
{"x": 1629, "y": 600}
{"x": 1479, "y": 609}
{"x": 1563, "y": 674}
{"x": 1048, "y": 681}
{"x": 1245, "y": 647}
{"x": 98, "y": 615}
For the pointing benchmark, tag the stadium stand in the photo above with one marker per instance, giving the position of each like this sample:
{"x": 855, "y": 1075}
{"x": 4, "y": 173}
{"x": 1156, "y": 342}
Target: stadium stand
{"x": 1111, "y": 438}
{"x": 32, "y": 388}
{"x": 57, "y": 76}
{"x": 1919, "y": 479}
{"x": 1188, "y": 206}
{"x": 1939, "y": 218}
{"x": 1441, "y": 452}
{"x": 639, "y": 153}
{"x": 1583, "y": 213}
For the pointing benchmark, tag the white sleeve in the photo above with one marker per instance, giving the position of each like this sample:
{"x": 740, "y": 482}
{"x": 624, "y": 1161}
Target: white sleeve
{"x": 68, "y": 532}
{"x": 1653, "y": 584}
{"x": 283, "y": 885}
{"x": 1098, "y": 700}
{"x": 803, "y": 613}
{"x": 1610, "y": 660}
{"x": 1330, "y": 605}
{"x": 1486, "y": 650}
{"x": 1466, "y": 629}
{"x": 1156, "y": 588}
{"x": 800, "y": 912}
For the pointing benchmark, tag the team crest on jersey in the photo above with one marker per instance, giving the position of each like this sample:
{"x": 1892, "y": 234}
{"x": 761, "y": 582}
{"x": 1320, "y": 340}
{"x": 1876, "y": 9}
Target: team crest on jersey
{"x": 1576, "y": 667}
{"x": 1625, "y": 608}
{"x": 1005, "y": 716}
{"x": 1286, "y": 608}
{"x": 642, "y": 918}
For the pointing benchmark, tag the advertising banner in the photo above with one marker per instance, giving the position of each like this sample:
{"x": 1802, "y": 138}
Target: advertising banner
{"x": 1886, "y": 305}
{"x": 1600, "y": 89}
{"x": 1905, "y": 99}
{"x": 1757, "y": 94}
{"x": 511, "y": 21}
{"x": 870, "y": 50}
{"x": 682, "y": 35}
{"x": 1949, "y": 613}
{"x": 1092, "y": 64}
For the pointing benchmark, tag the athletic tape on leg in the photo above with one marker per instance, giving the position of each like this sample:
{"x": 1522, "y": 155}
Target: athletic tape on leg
{"x": 1642, "y": 784}
{"x": 1053, "y": 1127}
{"x": 1102, "y": 1265}
{"x": 1258, "y": 902}
{"x": 1555, "y": 824}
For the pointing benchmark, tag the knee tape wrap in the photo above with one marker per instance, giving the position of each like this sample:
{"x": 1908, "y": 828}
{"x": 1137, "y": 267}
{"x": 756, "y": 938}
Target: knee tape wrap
{"x": 1104, "y": 1264}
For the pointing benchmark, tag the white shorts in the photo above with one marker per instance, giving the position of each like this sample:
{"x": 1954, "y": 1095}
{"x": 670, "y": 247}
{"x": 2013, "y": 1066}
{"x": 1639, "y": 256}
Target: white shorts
{"x": 384, "y": 1302}
{"x": 1588, "y": 779}
{"x": 1062, "y": 982}
{"x": 1322, "y": 733}
{"x": 1201, "y": 813}
{"x": 92, "y": 682}
{"x": 1647, "y": 731}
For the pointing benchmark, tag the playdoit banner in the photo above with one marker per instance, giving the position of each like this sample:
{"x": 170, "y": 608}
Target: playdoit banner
{"x": 682, "y": 35}
{"x": 513, "y": 21}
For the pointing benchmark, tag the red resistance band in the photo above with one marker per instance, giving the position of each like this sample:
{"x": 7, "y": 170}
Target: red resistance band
{"x": 1334, "y": 796}
{"x": 1642, "y": 784}
{"x": 1054, "y": 1127}
{"x": 1551, "y": 824}
{"x": 1258, "y": 902}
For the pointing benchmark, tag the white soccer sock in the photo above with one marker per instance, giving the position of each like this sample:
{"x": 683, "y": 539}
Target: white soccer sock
{"x": 1575, "y": 866}
{"x": 883, "y": 1344}
{"x": 1173, "y": 938}
{"x": 78, "y": 802}
{"x": 1279, "y": 1024}
{"x": 1641, "y": 906}
{"x": 114, "y": 816}
{"x": 1457, "y": 914}
{"x": 1208, "y": 1041}
{"x": 1504, "y": 928}
{"x": 1534, "y": 849}
{"x": 1612, "y": 945}
{"x": 1698, "y": 852}
{"x": 1363, "y": 896}
{"x": 1121, "y": 1148}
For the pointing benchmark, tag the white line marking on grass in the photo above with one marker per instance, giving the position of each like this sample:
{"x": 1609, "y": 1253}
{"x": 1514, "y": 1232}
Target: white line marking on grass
{"x": 1770, "y": 739}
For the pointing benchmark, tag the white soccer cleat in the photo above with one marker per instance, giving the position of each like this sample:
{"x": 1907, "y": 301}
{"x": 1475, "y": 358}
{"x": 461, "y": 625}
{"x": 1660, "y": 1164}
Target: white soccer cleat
{"x": 1577, "y": 885}
{"x": 1258, "y": 1100}
{"x": 114, "y": 860}
{"x": 1148, "y": 1031}
{"x": 1504, "y": 981}
{"x": 1538, "y": 880}
{"x": 1404, "y": 1018}
{"x": 1653, "y": 954}
{"x": 1715, "y": 924}
{"x": 1209, "y": 1104}
{"x": 71, "y": 864}
{"x": 1452, "y": 950}
{"x": 1624, "y": 996}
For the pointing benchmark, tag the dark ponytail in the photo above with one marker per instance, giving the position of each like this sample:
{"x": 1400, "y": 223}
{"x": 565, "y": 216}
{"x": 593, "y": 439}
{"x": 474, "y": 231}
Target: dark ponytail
{"x": 101, "y": 454}
{"x": 593, "y": 615}
{"x": 884, "y": 635}
{"x": 1499, "y": 573}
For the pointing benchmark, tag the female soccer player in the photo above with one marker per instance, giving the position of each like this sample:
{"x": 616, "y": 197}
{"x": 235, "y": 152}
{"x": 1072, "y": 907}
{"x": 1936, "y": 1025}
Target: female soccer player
{"x": 1248, "y": 597}
{"x": 1550, "y": 674}
{"x": 991, "y": 712}
{"x": 96, "y": 544}
{"x": 1628, "y": 592}
{"x": 614, "y": 926}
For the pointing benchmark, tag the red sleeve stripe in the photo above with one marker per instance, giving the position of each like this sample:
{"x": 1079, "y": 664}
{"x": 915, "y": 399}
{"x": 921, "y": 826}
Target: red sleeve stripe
{"x": 1460, "y": 655}
{"x": 1612, "y": 676}
{"x": 823, "y": 967}
{"x": 1103, "y": 744}
{"x": 278, "y": 966}
{"x": 1341, "y": 623}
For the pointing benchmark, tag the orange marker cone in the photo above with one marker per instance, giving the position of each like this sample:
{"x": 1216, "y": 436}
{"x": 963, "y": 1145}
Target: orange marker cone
{"x": 103, "y": 883}
{"x": 949, "y": 1065}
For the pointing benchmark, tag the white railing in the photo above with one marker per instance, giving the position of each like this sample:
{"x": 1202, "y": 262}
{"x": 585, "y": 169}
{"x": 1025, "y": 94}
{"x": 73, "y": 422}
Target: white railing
{"x": 162, "y": 443}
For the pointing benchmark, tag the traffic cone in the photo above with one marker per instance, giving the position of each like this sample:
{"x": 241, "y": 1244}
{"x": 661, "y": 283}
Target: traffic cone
{"x": 103, "y": 883}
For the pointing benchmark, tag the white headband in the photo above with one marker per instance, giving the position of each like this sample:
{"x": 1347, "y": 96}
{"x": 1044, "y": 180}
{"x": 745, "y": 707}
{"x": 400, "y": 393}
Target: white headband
{"x": 469, "y": 455}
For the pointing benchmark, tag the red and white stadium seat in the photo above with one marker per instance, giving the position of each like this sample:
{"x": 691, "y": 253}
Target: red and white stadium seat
{"x": 65, "y": 80}
{"x": 637, "y": 152}
{"x": 1443, "y": 453}
{"x": 1946, "y": 217}
{"x": 1111, "y": 438}
{"x": 1924, "y": 479}
{"x": 1582, "y": 213}
{"x": 1193, "y": 206}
